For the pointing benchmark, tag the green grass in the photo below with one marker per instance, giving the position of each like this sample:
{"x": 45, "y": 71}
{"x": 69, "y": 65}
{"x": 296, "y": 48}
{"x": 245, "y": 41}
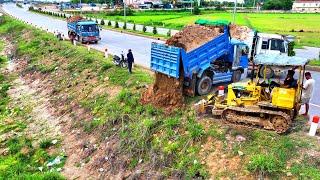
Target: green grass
{"x": 138, "y": 126}
{"x": 265, "y": 22}
{"x": 314, "y": 62}
{"x": 23, "y": 158}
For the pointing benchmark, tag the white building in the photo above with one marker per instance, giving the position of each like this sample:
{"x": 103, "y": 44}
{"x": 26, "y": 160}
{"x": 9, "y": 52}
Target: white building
{"x": 221, "y": 1}
{"x": 306, "y": 6}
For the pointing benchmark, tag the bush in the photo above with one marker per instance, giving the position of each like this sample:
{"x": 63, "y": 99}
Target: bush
{"x": 291, "y": 51}
{"x": 109, "y": 23}
{"x": 134, "y": 27}
{"x": 169, "y": 33}
{"x": 102, "y": 22}
{"x": 154, "y": 31}
{"x": 64, "y": 15}
{"x": 196, "y": 10}
{"x": 31, "y": 8}
{"x": 129, "y": 12}
{"x": 116, "y": 24}
{"x": 97, "y": 21}
{"x": 124, "y": 25}
{"x": 144, "y": 29}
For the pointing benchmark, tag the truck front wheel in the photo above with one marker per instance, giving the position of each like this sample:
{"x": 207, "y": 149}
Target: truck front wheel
{"x": 204, "y": 85}
{"x": 269, "y": 72}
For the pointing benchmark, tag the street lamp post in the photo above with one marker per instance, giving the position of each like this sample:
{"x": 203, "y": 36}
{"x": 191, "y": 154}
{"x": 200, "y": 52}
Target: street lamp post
{"x": 234, "y": 12}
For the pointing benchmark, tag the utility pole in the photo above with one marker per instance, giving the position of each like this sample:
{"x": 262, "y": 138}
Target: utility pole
{"x": 124, "y": 10}
{"x": 234, "y": 12}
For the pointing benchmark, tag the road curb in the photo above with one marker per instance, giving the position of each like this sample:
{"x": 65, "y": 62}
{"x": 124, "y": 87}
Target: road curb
{"x": 313, "y": 68}
{"x": 135, "y": 34}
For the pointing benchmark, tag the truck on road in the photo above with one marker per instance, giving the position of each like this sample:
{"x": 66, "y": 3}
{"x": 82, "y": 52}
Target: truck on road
{"x": 83, "y": 30}
{"x": 220, "y": 60}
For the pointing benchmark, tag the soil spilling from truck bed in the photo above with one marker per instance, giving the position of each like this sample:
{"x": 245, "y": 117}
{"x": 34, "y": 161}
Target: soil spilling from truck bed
{"x": 165, "y": 93}
{"x": 239, "y": 32}
{"x": 75, "y": 18}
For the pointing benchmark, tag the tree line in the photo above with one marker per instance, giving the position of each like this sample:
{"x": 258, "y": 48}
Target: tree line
{"x": 266, "y": 4}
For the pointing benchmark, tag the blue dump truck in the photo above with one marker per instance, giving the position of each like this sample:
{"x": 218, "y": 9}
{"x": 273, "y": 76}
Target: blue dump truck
{"x": 220, "y": 60}
{"x": 83, "y": 30}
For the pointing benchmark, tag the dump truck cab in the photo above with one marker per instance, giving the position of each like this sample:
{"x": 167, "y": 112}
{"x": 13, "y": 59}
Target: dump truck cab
{"x": 84, "y": 31}
{"x": 265, "y": 43}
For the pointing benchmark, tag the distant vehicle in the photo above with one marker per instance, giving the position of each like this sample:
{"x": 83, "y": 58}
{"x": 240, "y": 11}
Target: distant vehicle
{"x": 83, "y": 31}
{"x": 92, "y": 5}
{"x": 168, "y": 6}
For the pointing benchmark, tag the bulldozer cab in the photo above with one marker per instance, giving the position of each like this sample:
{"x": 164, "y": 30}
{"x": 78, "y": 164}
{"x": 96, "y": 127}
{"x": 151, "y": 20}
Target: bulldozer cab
{"x": 284, "y": 92}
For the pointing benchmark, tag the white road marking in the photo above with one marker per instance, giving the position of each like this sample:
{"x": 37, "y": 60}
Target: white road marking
{"x": 318, "y": 106}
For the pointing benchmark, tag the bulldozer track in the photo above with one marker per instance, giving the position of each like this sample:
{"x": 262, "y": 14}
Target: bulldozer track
{"x": 256, "y": 117}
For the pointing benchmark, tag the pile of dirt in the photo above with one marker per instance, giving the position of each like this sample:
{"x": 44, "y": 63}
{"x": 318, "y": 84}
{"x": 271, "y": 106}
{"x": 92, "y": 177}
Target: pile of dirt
{"x": 239, "y": 32}
{"x": 165, "y": 93}
{"x": 75, "y": 18}
{"x": 194, "y": 36}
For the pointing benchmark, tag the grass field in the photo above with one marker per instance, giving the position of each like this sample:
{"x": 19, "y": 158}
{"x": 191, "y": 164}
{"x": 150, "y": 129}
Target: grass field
{"x": 272, "y": 23}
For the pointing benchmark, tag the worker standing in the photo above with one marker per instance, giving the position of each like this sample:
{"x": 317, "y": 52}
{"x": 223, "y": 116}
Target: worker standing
{"x": 307, "y": 92}
{"x": 130, "y": 60}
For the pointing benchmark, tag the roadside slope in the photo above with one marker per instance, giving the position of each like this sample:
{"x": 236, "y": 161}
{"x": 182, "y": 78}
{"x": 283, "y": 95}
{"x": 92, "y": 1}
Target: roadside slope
{"x": 106, "y": 133}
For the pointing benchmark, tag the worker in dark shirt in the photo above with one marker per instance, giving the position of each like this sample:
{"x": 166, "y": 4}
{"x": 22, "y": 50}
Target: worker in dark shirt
{"x": 130, "y": 60}
{"x": 290, "y": 82}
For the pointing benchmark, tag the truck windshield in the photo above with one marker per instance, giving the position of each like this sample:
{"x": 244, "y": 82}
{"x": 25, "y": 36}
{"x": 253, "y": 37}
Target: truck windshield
{"x": 89, "y": 28}
{"x": 277, "y": 44}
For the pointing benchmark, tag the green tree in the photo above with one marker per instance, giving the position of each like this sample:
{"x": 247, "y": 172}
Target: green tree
{"x": 278, "y": 5}
{"x": 154, "y": 30}
{"x": 196, "y": 10}
{"x": 102, "y": 22}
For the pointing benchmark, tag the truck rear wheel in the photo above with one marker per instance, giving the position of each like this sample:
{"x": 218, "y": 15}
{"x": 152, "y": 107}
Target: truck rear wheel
{"x": 204, "y": 85}
{"x": 236, "y": 76}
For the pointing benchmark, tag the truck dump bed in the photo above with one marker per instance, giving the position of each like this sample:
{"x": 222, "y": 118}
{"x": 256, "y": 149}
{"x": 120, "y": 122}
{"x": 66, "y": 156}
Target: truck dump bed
{"x": 169, "y": 59}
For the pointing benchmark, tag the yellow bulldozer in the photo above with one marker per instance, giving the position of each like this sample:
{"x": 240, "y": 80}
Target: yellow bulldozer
{"x": 266, "y": 103}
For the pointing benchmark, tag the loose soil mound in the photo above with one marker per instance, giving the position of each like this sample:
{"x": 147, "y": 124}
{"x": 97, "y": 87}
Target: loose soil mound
{"x": 239, "y": 32}
{"x": 193, "y": 36}
{"x": 165, "y": 93}
{"x": 75, "y": 18}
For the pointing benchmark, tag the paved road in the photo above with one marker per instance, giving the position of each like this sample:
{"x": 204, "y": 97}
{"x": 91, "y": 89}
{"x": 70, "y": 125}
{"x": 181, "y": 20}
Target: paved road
{"x": 116, "y": 42}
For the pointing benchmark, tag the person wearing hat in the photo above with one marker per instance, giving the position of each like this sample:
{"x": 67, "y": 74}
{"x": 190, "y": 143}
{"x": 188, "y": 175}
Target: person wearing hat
{"x": 130, "y": 60}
